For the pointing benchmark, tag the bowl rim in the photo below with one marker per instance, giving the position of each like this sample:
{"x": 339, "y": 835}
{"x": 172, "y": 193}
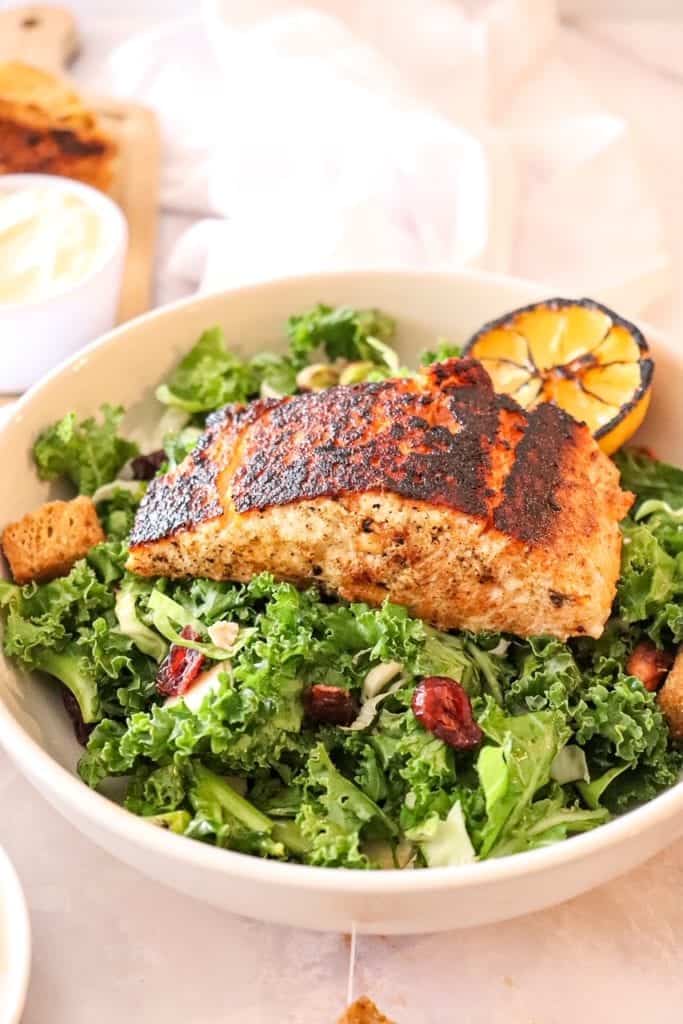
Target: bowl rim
{"x": 109, "y": 212}
{"x": 72, "y": 793}
{"x": 14, "y": 914}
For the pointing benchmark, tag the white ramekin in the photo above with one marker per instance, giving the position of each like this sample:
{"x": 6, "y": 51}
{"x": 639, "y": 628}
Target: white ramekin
{"x": 38, "y": 335}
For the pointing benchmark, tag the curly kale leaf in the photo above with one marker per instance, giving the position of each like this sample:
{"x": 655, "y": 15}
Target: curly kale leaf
{"x": 89, "y": 453}
{"x": 341, "y": 332}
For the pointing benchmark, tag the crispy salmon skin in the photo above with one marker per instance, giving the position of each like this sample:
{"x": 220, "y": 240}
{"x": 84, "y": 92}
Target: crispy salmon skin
{"x": 433, "y": 492}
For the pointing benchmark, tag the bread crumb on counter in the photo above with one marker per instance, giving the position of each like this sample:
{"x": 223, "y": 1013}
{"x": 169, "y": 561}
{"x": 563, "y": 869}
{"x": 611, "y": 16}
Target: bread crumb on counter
{"x": 364, "y": 1011}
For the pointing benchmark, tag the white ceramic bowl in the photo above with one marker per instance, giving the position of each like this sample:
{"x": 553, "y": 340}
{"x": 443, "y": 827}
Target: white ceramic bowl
{"x": 124, "y": 367}
{"x": 15, "y": 944}
{"x": 38, "y": 335}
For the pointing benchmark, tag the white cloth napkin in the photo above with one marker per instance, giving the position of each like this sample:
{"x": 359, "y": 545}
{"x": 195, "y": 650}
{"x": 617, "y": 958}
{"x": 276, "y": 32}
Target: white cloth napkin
{"x": 361, "y": 133}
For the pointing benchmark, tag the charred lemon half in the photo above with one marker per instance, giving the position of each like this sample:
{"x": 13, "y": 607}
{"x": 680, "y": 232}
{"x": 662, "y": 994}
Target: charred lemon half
{"x": 575, "y": 353}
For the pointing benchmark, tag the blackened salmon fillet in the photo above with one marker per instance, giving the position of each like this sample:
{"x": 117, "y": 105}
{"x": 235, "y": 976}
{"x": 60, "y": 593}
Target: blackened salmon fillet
{"x": 433, "y": 492}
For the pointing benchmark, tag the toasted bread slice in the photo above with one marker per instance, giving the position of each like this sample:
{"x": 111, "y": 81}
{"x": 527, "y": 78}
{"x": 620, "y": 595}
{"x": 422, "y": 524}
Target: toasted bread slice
{"x": 364, "y": 1011}
{"x": 45, "y": 128}
{"x": 670, "y": 697}
{"x": 47, "y": 542}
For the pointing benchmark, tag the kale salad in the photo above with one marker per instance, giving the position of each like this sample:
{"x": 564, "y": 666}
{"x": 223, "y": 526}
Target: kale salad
{"x": 564, "y": 735}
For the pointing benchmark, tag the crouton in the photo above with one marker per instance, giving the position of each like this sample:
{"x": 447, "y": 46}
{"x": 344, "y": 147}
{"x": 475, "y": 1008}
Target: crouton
{"x": 647, "y": 663}
{"x": 670, "y": 697}
{"x": 45, "y": 127}
{"x": 364, "y": 1011}
{"x": 47, "y": 542}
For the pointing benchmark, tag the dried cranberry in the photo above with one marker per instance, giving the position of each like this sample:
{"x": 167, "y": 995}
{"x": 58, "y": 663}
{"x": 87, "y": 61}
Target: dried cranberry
{"x": 82, "y": 729}
{"x": 644, "y": 449}
{"x": 441, "y": 705}
{"x": 330, "y": 704}
{"x": 649, "y": 665}
{"x": 146, "y": 467}
{"x": 180, "y": 667}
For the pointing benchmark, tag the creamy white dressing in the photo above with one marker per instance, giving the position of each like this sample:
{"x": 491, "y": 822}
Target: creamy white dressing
{"x": 50, "y": 239}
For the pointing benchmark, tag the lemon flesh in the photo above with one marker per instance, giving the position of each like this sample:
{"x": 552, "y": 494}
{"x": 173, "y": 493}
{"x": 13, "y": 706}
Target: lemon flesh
{"x": 579, "y": 355}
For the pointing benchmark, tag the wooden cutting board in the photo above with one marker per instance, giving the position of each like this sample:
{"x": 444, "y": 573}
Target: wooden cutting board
{"x": 47, "y": 37}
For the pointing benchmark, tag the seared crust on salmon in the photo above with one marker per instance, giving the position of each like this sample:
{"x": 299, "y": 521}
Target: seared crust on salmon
{"x": 433, "y": 492}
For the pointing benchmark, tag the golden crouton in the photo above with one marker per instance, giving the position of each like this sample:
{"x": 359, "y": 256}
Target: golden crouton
{"x": 45, "y": 128}
{"x": 364, "y": 1011}
{"x": 47, "y": 542}
{"x": 670, "y": 697}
